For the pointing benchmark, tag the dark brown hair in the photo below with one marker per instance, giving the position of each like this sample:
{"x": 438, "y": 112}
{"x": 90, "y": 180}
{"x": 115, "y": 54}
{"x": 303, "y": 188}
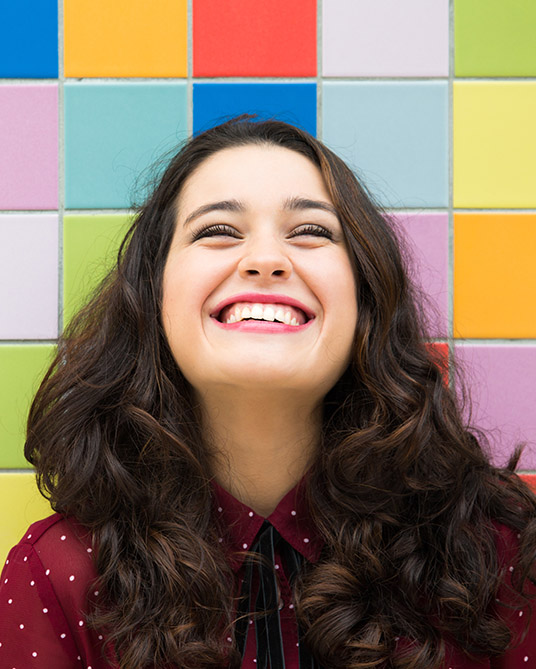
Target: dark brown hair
{"x": 408, "y": 504}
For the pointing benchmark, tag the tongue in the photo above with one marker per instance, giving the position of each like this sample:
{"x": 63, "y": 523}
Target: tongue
{"x": 294, "y": 311}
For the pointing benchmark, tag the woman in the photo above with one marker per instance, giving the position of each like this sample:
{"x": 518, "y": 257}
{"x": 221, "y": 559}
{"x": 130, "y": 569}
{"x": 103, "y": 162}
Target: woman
{"x": 253, "y": 455}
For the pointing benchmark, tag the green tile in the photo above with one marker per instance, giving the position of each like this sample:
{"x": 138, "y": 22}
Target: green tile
{"x": 21, "y": 370}
{"x": 90, "y": 245}
{"x": 495, "y": 38}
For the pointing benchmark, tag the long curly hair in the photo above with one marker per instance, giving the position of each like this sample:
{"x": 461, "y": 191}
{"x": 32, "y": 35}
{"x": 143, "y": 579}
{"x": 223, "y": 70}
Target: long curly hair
{"x": 402, "y": 492}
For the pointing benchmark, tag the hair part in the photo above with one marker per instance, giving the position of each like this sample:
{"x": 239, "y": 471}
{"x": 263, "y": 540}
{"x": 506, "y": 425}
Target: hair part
{"x": 402, "y": 493}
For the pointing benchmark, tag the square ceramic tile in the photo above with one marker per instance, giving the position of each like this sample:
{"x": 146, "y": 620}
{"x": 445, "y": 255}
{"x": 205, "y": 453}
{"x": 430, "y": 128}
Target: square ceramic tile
{"x": 494, "y": 144}
{"x": 385, "y": 38}
{"x": 495, "y": 275}
{"x": 501, "y": 381}
{"x": 22, "y": 368}
{"x": 29, "y": 39}
{"x": 125, "y": 38}
{"x": 395, "y": 135}
{"x": 495, "y": 38}
{"x": 28, "y": 276}
{"x": 113, "y": 133}
{"x": 254, "y": 39}
{"x": 427, "y": 239}
{"x": 293, "y": 103}
{"x": 29, "y": 146}
{"x": 20, "y": 506}
{"x": 440, "y": 354}
{"x": 90, "y": 245}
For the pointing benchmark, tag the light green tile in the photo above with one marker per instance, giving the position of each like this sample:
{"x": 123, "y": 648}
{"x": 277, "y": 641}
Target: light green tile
{"x": 495, "y": 38}
{"x": 90, "y": 245}
{"x": 21, "y": 370}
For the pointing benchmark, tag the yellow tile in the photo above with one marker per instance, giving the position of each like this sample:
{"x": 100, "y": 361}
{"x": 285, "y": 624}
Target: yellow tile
{"x": 495, "y": 144}
{"x": 125, "y": 38}
{"x": 20, "y": 506}
{"x": 494, "y": 275}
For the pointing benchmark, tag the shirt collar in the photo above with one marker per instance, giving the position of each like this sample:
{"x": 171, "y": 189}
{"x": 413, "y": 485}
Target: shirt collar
{"x": 240, "y": 524}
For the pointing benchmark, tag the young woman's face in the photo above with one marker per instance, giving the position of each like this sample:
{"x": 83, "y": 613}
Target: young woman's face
{"x": 258, "y": 288}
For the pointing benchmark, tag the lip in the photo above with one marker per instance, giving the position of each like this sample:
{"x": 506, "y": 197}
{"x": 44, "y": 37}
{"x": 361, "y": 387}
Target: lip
{"x": 264, "y": 298}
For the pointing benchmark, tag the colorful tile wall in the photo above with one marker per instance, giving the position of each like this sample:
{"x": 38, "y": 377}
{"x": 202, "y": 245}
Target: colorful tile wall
{"x": 432, "y": 103}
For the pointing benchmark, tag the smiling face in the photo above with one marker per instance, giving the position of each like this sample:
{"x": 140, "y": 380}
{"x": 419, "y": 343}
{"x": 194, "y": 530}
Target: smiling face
{"x": 258, "y": 287}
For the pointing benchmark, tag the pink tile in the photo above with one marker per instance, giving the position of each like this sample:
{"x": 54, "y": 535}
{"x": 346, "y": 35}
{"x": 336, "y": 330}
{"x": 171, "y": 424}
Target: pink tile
{"x": 427, "y": 241}
{"x": 29, "y": 147}
{"x": 501, "y": 380}
{"x": 28, "y": 276}
{"x": 385, "y": 38}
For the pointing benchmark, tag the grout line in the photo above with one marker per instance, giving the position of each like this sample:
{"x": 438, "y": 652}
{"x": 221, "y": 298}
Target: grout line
{"x": 61, "y": 160}
{"x": 450, "y": 265}
{"x": 236, "y": 79}
{"x": 319, "y": 70}
{"x": 190, "y": 70}
{"x": 27, "y": 342}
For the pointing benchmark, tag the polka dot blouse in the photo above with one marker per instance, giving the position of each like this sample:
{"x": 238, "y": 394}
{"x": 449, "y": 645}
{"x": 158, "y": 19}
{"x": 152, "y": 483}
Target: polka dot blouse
{"x": 47, "y": 580}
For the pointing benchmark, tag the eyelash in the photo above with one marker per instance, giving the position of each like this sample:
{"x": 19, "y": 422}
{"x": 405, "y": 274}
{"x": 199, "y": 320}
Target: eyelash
{"x": 312, "y": 229}
{"x": 214, "y": 231}
{"x": 221, "y": 230}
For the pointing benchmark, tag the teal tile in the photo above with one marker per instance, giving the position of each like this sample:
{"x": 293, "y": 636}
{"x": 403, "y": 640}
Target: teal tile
{"x": 395, "y": 135}
{"x": 113, "y": 133}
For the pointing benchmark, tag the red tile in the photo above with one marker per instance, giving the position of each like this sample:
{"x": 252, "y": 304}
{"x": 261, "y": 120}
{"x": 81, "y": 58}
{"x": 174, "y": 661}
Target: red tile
{"x": 254, "y": 39}
{"x": 440, "y": 354}
{"x": 530, "y": 480}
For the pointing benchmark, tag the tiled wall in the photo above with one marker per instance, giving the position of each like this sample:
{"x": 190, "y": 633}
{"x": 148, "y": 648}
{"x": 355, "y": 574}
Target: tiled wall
{"x": 433, "y": 102}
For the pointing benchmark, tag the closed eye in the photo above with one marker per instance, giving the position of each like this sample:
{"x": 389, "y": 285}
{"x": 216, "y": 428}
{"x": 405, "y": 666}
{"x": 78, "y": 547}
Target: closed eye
{"x": 218, "y": 230}
{"x": 312, "y": 229}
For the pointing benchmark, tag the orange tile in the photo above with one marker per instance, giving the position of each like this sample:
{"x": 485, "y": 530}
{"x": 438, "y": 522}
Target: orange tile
{"x": 125, "y": 38}
{"x": 494, "y": 275}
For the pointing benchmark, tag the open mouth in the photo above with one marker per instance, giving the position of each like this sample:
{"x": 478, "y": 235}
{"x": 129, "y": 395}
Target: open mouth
{"x": 256, "y": 311}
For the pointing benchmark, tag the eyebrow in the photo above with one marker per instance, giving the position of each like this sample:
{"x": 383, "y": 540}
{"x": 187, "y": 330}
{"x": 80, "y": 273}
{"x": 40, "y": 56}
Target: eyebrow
{"x": 290, "y": 204}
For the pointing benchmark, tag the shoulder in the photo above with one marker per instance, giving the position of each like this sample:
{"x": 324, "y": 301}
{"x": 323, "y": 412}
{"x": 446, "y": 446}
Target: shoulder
{"x": 58, "y": 551}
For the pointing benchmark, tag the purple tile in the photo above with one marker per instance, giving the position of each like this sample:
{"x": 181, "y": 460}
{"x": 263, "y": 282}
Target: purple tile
{"x": 385, "y": 38}
{"x": 427, "y": 241}
{"x": 501, "y": 381}
{"x": 28, "y": 276}
{"x": 29, "y": 147}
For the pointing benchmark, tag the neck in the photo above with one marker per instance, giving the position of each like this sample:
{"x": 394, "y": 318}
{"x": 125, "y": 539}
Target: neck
{"x": 262, "y": 444}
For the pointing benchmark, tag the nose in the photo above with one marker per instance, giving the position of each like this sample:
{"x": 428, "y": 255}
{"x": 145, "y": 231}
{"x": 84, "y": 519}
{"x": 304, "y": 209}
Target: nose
{"x": 265, "y": 258}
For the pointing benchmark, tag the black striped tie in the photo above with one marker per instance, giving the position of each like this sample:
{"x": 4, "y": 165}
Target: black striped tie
{"x": 270, "y": 654}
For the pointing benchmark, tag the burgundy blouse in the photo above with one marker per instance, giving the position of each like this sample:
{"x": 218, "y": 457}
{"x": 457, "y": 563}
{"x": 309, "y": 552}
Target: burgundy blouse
{"x": 45, "y": 585}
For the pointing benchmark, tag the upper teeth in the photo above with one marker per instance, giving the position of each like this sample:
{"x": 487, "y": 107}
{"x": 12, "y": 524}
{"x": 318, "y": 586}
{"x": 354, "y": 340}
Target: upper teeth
{"x": 266, "y": 312}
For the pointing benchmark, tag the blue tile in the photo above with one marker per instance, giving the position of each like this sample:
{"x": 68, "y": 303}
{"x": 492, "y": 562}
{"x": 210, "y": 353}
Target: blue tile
{"x": 29, "y": 39}
{"x": 293, "y": 103}
{"x": 114, "y": 133}
{"x": 395, "y": 135}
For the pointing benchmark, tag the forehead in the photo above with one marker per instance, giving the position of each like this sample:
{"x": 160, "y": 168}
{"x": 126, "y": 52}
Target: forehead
{"x": 253, "y": 174}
